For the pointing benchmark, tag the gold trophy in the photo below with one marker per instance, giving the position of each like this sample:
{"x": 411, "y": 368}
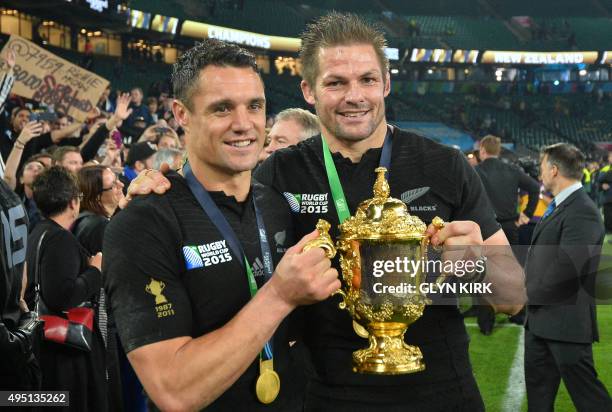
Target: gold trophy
{"x": 381, "y": 289}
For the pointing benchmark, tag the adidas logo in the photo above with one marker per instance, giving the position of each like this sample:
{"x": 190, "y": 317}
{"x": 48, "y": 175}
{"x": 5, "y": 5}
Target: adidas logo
{"x": 258, "y": 268}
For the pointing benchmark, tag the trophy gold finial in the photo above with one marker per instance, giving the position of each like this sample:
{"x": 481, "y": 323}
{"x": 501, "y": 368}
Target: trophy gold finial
{"x": 381, "y": 186}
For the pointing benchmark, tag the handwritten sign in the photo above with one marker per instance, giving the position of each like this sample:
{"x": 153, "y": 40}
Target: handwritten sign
{"x": 42, "y": 76}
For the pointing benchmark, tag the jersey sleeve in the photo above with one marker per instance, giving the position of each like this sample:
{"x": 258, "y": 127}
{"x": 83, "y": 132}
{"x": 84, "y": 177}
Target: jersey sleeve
{"x": 264, "y": 173}
{"x": 142, "y": 272}
{"x": 474, "y": 204}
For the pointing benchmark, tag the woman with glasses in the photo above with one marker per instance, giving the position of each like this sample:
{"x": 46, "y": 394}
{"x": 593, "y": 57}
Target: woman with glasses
{"x": 102, "y": 197}
{"x": 68, "y": 276}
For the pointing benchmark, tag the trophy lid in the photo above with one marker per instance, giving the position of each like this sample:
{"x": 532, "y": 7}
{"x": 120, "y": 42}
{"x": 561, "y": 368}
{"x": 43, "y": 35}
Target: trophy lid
{"x": 382, "y": 217}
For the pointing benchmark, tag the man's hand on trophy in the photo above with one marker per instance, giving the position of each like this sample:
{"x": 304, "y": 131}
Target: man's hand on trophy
{"x": 462, "y": 240}
{"x": 304, "y": 277}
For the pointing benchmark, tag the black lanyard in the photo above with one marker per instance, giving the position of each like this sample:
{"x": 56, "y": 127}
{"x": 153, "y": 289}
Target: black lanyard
{"x": 216, "y": 217}
{"x": 385, "y": 155}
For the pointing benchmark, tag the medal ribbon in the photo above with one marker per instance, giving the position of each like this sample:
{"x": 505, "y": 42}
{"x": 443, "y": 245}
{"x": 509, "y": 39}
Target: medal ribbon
{"x": 334, "y": 181}
{"x": 216, "y": 217}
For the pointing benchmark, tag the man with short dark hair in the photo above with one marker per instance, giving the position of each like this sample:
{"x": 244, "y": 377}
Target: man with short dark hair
{"x": 201, "y": 297}
{"x": 140, "y": 112}
{"x": 560, "y": 274}
{"x": 68, "y": 157}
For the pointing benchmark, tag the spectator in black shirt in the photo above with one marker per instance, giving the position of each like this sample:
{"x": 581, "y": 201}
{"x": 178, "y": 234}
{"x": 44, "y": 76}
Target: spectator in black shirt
{"x": 28, "y": 174}
{"x": 19, "y": 119}
{"x": 139, "y": 110}
{"x": 502, "y": 182}
{"x": 68, "y": 277}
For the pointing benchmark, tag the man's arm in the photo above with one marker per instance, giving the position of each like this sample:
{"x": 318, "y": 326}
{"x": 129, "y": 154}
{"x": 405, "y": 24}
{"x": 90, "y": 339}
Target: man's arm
{"x": 463, "y": 240}
{"x": 6, "y": 84}
{"x": 30, "y": 131}
{"x": 180, "y": 372}
{"x": 186, "y": 373}
{"x": 506, "y": 275}
{"x": 89, "y": 147}
{"x": 58, "y": 135}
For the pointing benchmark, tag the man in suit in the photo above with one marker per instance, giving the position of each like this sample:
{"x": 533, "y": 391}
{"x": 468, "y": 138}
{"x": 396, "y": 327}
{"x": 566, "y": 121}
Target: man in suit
{"x": 561, "y": 323}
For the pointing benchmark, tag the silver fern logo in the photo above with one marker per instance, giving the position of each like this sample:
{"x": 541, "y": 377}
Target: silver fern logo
{"x": 412, "y": 195}
{"x": 294, "y": 201}
{"x": 192, "y": 257}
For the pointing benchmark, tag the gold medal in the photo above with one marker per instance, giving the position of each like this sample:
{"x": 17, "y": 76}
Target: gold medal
{"x": 360, "y": 330}
{"x": 268, "y": 382}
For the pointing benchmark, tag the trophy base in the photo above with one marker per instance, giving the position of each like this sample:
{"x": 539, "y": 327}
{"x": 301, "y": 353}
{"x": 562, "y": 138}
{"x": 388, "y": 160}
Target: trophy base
{"x": 388, "y": 354}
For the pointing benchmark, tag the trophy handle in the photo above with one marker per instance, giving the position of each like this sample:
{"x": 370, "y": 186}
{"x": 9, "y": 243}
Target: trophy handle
{"x": 324, "y": 241}
{"x": 438, "y": 224}
{"x": 341, "y": 305}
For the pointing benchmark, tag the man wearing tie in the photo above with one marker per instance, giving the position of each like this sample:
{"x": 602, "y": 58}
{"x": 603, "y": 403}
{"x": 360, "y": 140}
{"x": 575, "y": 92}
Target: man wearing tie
{"x": 560, "y": 274}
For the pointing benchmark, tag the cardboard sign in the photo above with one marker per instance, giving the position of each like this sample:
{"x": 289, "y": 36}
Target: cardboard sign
{"x": 42, "y": 76}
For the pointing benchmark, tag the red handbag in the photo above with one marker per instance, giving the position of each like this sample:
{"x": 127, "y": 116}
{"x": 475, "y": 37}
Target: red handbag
{"x": 75, "y": 329}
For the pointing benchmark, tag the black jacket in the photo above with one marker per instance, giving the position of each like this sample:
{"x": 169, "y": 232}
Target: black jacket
{"x": 502, "y": 182}
{"x": 560, "y": 272}
{"x": 67, "y": 280}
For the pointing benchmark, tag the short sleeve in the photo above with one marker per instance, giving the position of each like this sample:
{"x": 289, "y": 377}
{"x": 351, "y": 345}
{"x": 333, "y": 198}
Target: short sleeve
{"x": 142, "y": 273}
{"x": 474, "y": 204}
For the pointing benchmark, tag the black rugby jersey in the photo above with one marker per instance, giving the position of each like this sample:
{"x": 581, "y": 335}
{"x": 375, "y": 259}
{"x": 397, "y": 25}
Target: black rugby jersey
{"x": 169, "y": 273}
{"x": 13, "y": 238}
{"x": 433, "y": 180}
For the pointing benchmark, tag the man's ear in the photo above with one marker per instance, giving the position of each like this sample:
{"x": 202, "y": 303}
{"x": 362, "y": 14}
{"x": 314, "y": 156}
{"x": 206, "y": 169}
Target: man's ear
{"x": 555, "y": 170}
{"x": 74, "y": 204}
{"x": 181, "y": 114}
{"x": 308, "y": 92}
{"x": 387, "y": 84}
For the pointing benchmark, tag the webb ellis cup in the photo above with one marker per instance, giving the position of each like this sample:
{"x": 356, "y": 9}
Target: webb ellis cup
{"x": 382, "y": 303}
